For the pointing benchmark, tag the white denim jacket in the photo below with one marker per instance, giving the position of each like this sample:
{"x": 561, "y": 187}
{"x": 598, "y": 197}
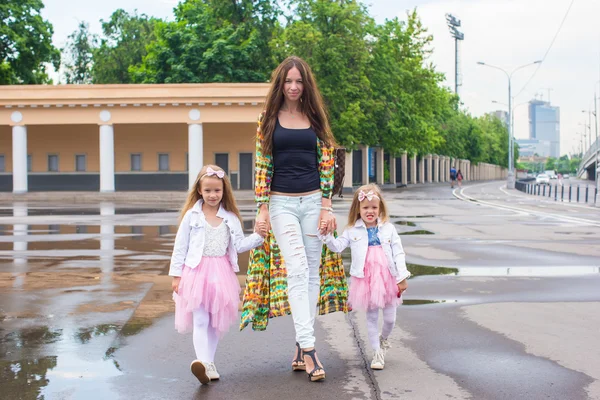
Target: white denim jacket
{"x": 357, "y": 238}
{"x": 189, "y": 242}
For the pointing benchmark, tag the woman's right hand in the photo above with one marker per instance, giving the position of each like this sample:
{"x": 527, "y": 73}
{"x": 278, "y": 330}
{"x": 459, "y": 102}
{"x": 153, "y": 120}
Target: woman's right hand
{"x": 175, "y": 284}
{"x": 263, "y": 217}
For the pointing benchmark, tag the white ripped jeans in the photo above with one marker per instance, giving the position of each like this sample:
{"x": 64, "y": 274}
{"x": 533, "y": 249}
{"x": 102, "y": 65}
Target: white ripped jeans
{"x": 292, "y": 217}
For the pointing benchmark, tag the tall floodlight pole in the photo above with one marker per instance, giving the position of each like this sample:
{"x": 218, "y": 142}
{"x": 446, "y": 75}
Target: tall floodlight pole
{"x": 510, "y": 180}
{"x": 453, "y": 25}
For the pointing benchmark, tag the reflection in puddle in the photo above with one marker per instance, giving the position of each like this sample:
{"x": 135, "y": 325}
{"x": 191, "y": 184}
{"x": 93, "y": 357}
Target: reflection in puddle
{"x": 406, "y": 223}
{"x": 417, "y": 232}
{"x": 418, "y": 270}
{"x": 412, "y": 216}
{"x": 529, "y": 271}
{"x": 25, "y": 379}
{"x": 422, "y": 302}
{"x": 30, "y": 337}
{"x": 86, "y": 334}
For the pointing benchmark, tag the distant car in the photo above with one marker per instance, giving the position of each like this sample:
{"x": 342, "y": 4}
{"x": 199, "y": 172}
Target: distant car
{"x": 553, "y": 177}
{"x": 542, "y": 179}
{"x": 566, "y": 176}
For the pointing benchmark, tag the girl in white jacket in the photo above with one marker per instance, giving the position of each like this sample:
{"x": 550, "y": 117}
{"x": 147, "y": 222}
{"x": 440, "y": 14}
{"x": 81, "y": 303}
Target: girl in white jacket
{"x": 378, "y": 271}
{"x": 204, "y": 263}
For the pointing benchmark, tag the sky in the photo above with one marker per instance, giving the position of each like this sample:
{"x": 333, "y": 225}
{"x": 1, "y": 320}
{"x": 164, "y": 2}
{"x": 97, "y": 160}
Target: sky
{"x": 503, "y": 33}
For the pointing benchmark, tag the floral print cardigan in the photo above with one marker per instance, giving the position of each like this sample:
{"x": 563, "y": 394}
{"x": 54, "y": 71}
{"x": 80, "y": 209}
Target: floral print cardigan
{"x": 265, "y": 295}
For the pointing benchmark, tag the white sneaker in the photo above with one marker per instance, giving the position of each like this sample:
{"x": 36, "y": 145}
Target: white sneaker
{"x": 378, "y": 360}
{"x": 384, "y": 344}
{"x": 199, "y": 371}
{"x": 211, "y": 371}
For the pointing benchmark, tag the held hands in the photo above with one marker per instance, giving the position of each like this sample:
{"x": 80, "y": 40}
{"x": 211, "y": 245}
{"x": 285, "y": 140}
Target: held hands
{"x": 261, "y": 228}
{"x": 402, "y": 286}
{"x": 327, "y": 222}
{"x": 262, "y": 218}
{"x": 175, "y": 284}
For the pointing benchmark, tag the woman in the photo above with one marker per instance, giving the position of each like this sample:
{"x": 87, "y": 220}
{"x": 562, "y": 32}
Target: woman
{"x": 293, "y": 187}
{"x": 459, "y": 177}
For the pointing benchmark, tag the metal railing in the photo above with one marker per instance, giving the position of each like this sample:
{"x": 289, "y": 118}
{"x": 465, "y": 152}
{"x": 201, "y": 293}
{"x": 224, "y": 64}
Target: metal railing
{"x": 559, "y": 192}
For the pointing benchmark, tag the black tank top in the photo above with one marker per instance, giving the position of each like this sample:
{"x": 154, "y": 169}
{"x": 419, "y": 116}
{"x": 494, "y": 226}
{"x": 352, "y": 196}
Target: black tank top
{"x": 295, "y": 161}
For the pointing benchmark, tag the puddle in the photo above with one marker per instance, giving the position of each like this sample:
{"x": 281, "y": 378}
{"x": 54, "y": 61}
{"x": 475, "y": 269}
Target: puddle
{"x": 47, "y": 212}
{"x": 423, "y": 302}
{"x": 419, "y": 270}
{"x": 31, "y": 337}
{"x": 86, "y": 334}
{"x": 412, "y": 216}
{"x": 406, "y": 223}
{"x": 417, "y": 232}
{"x": 530, "y": 271}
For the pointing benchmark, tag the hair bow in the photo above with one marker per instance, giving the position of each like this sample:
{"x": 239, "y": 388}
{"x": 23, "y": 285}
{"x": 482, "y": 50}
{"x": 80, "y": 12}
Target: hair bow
{"x": 212, "y": 172}
{"x": 369, "y": 195}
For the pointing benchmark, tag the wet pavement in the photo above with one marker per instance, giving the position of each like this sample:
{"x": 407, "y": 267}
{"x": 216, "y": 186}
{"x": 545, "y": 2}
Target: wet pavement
{"x": 503, "y": 304}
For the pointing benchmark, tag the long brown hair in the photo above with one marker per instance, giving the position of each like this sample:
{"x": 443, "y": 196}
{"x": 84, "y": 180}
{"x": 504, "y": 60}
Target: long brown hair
{"x": 228, "y": 201}
{"x": 311, "y": 103}
{"x": 354, "y": 214}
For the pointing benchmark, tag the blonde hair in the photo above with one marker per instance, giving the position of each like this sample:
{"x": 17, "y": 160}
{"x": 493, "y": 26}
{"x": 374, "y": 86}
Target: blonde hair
{"x": 355, "y": 207}
{"x": 228, "y": 201}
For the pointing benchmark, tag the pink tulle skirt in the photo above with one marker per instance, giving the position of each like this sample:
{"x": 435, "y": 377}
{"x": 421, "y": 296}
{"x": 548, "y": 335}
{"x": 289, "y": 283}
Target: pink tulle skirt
{"x": 213, "y": 286}
{"x": 378, "y": 288}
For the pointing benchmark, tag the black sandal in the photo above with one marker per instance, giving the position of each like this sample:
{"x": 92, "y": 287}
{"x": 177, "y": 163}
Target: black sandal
{"x": 298, "y": 363}
{"x": 311, "y": 375}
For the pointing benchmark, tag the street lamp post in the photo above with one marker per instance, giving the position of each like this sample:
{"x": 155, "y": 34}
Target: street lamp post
{"x": 510, "y": 182}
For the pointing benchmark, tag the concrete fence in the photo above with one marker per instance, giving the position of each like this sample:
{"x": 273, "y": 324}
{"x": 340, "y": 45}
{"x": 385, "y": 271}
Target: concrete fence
{"x": 392, "y": 171}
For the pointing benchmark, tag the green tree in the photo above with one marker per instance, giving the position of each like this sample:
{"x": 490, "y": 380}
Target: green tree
{"x": 408, "y": 100}
{"x": 212, "y": 41}
{"x": 123, "y": 46}
{"x": 25, "y": 43}
{"x": 79, "y": 55}
{"x": 550, "y": 163}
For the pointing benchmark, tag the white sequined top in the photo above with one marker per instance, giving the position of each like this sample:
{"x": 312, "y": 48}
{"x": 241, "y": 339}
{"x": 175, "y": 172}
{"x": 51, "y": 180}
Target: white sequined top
{"x": 217, "y": 240}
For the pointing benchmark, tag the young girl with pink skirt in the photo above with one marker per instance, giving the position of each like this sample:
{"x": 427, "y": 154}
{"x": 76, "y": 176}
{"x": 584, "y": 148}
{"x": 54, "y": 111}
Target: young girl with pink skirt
{"x": 378, "y": 270}
{"x": 204, "y": 263}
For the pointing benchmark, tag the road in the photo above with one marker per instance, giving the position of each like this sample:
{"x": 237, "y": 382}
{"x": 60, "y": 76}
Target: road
{"x": 504, "y": 304}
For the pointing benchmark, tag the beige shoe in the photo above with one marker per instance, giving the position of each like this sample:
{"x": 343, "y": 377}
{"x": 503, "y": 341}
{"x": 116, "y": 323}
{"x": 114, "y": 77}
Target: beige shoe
{"x": 199, "y": 371}
{"x": 378, "y": 360}
{"x": 384, "y": 344}
{"x": 211, "y": 371}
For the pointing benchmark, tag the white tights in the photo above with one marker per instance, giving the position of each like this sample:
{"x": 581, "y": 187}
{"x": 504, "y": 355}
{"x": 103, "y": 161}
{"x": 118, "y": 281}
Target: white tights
{"x": 205, "y": 336}
{"x": 389, "y": 319}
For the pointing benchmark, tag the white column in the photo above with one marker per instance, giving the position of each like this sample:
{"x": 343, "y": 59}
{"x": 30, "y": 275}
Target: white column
{"x": 107, "y": 158}
{"x": 20, "y": 212}
{"x": 421, "y": 177}
{"x": 393, "y": 170}
{"x": 195, "y": 152}
{"x": 429, "y": 162}
{"x": 365, "y": 165}
{"x": 436, "y": 169}
{"x": 107, "y": 241}
{"x": 404, "y": 169}
{"x": 348, "y": 178}
{"x": 19, "y": 156}
{"x": 413, "y": 169}
{"x": 379, "y": 173}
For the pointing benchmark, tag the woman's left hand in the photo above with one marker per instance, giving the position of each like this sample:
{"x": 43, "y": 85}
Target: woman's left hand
{"x": 327, "y": 222}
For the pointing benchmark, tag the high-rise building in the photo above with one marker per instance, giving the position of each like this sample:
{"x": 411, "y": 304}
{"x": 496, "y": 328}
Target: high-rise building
{"x": 533, "y": 147}
{"x": 502, "y": 116}
{"x": 544, "y": 125}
